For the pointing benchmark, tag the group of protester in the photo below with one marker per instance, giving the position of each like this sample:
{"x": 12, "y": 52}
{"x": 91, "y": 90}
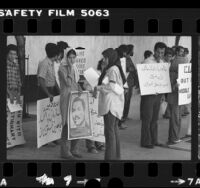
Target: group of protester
{"x": 113, "y": 106}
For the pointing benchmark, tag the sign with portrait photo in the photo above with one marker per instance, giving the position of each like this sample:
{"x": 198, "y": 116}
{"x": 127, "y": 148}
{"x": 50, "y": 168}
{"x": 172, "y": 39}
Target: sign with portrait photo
{"x": 79, "y": 119}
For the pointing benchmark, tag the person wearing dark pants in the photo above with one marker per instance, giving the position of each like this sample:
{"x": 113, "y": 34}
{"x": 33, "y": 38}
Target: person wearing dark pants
{"x": 147, "y": 54}
{"x": 127, "y": 97}
{"x": 132, "y": 79}
{"x": 174, "y": 123}
{"x": 111, "y": 102}
{"x": 112, "y": 137}
{"x": 172, "y": 98}
{"x": 150, "y": 109}
{"x": 151, "y": 104}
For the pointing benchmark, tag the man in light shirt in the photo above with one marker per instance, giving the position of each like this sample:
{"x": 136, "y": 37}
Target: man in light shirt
{"x": 151, "y": 105}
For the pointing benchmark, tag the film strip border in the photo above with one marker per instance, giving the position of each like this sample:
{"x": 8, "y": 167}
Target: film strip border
{"x": 120, "y": 21}
{"x": 103, "y": 174}
{"x": 57, "y": 26}
{"x": 127, "y": 174}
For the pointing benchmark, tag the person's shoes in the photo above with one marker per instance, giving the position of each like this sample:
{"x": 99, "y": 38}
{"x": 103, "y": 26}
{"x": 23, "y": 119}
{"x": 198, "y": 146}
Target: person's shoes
{"x": 93, "y": 150}
{"x": 171, "y": 143}
{"x": 166, "y": 116}
{"x": 148, "y": 146}
{"x": 78, "y": 155}
{"x": 66, "y": 155}
{"x": 122, "y": 127}
{"x": 158, "y": 144}
{"x": 101, "y": 148}
{"x": 187, "y": 136}
{"x": 174, "y": 142}
{"x": 56, "y": 142}
{"x": 186, "y": 112}
{"x": 51, "y": 144}
{"x": 177, "y": 141}
{"x": 123, "y": 119}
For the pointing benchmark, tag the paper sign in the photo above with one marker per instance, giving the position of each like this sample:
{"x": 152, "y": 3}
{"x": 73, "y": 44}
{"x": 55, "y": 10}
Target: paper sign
{"x": 13, "y": 107}
{"x": 15, "y": 134}
{"x": 80, "y": 60}
{"x": 91, "y": 76}
{"x": 97, "y": 121}
{"x": 185, "y": 83}
{"x": 154, "y": 78}
{"x": 49, "y": 122}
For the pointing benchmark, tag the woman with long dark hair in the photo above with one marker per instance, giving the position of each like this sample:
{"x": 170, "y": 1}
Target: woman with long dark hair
{"x": 111, "y": 101}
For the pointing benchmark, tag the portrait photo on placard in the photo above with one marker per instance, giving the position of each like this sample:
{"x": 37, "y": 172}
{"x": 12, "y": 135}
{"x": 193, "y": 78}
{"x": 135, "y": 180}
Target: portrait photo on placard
{"x": 79, "y": 125}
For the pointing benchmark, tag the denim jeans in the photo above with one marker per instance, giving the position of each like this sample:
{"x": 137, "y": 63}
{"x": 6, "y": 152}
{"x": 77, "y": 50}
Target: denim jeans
{"x": 112, "y": 151}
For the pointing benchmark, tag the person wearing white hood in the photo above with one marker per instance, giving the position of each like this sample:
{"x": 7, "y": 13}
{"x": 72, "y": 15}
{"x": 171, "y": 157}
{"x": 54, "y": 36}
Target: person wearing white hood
{"x": 68, "y": 77}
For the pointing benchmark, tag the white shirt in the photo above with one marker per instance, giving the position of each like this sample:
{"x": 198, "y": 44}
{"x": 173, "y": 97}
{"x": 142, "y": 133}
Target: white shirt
{"x": 109, "y": 100}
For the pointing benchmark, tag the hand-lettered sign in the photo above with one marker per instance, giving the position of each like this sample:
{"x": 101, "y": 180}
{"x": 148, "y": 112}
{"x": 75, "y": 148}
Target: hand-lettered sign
{"x": 97, "y": 121}
{"x": 49, "y": 122}
{"x": 154, "y": 78}
{"x": 15, "y": 134}
{"x": 185, "y": 86}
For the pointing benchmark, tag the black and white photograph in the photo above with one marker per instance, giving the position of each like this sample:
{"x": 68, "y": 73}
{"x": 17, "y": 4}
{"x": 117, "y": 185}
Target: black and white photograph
{"x": 99, "y": 97}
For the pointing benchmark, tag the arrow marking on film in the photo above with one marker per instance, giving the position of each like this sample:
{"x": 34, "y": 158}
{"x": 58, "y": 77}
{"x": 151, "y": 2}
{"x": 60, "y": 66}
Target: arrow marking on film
{"x": 178, "y": 181}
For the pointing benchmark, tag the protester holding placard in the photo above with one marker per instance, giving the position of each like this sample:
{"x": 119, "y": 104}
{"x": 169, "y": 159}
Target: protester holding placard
{"x": 185, "y": 109}
{"x": 111, "y": 102}
{"x": 47, "y": 84}
{"x": 172, "y": 98}
{"x": 13, "y": 74}
{"x": 151, "y": 104}
{"x": 147, "y": 54}
{"x": 68, "y": 82}
{"x": 48, "y": 87}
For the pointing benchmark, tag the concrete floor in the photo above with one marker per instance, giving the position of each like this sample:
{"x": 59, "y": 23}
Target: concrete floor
{"x": 130, "y": 142}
